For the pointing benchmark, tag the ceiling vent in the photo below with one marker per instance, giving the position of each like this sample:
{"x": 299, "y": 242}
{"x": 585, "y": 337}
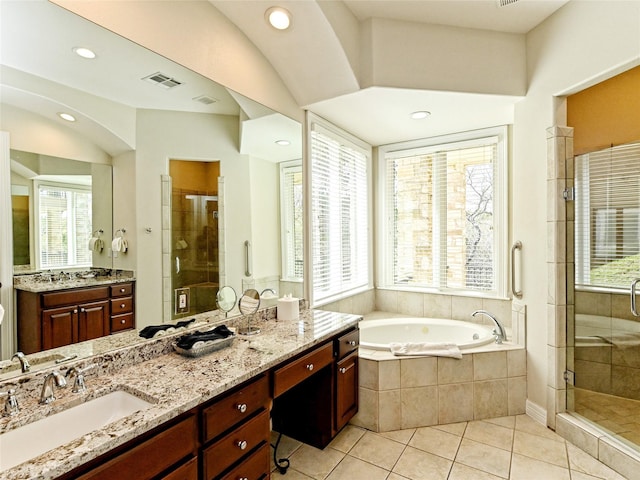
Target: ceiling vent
{"x": 206, "y": 100}
{"x": 504, "y": 3}
{"x": 162, "y": 80}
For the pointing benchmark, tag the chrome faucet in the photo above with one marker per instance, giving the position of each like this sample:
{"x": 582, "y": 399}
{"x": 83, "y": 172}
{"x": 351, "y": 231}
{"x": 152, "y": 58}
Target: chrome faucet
{"x": 24, "y": 363}
{"x": 54, "y": 378}
{"x": 11, "y": 405}
{"x": 79, "y": 386}
{"x": 499, "y": 332}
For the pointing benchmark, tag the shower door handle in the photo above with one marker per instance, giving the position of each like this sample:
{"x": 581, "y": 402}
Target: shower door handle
{"x": 634, "y": 309}
{"x": 177, "y": 265}
{"x": 516, "y": 246}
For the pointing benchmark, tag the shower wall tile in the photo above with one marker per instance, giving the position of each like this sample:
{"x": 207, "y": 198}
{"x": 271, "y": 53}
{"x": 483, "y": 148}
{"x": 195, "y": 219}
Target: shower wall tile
{"x": 387, "y": 300}
{"x": 418, "y": 372}
{"x": 367, "y": 416}
{"x": 455, "y": 402}
{"x": 517, "y": 392}
{"x": 389, "y": 375}
{"x": 463, "y": 307}
{"x": 624, "y": 461}
{"x": 437, "y": 306}
{"x": 389, "y": 410}
{"x": 490, "y": 399}
{"x": 556, "y": 325}
{"x": 368, "y": 373}
{"x": 500, "y": 308}
{"x": 490, "y": 365}
{"x": 451, "y": 370}
{"x": 517, "y": 363}
{"x": 410, "y": 303}
{"x": 419, "y": 407}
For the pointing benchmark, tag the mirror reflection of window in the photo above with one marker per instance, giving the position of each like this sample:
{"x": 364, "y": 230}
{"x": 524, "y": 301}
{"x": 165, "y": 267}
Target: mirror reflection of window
{"x": 292, "y": 220}
{"x": 63, "y": 225}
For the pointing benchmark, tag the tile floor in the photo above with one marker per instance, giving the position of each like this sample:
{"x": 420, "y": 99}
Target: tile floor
{"x": 618, "y": 415}
{"x": 514, "y": 447}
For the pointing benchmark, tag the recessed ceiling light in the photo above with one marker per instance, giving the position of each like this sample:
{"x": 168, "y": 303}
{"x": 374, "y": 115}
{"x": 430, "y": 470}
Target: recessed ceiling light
{"x": 84, "y": 52}
{"x": 419, "y": 115}
{"x": 67, "y": 116}
{"x": 283, "y": 143}
{"x": 278, "y": 17}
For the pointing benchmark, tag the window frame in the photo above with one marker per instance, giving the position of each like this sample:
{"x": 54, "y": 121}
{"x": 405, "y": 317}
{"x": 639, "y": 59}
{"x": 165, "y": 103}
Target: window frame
{"x": 384, "y": 235}
{"x": 354, "y": 142}
{"x": 285, "y": 209}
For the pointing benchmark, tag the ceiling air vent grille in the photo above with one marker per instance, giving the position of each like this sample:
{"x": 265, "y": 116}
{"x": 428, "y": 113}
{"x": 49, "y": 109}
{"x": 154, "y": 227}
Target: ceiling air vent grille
{"x": 163, "y": 80}
{"x": 205, "y": 99}
{"x": 504, "y": 3}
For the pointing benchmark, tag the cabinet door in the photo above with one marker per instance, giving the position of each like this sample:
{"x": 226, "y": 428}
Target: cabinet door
{"x": 93, "y": 320}
{"x": 59, "y": 327}
{"x": 346, "y": 389}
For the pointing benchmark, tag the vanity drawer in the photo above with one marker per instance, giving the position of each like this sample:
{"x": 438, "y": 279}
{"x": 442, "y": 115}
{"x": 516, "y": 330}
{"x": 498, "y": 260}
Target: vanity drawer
{"x": 234, "y": 408}
{"x": 347, "y": 343}
{"x": 236, "y": 444}
{"x": 121, "y": 305}
{"x": 122, "y": 290}
{"x": 188, "y": 471}
{"x": 74, "y": 297}
{"x": 122, "y": 322}
{"x": 255, "y": 467}
{"x": 299, "y": 370}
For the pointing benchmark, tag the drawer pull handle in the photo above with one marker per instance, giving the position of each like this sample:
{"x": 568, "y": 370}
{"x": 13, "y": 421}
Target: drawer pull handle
{"x": 123, "y": 322}
{"x": 122, "y": 305}
{"x": 243, "y": 478}
{"x": 242, "y": 407}
{"x": 310, "y": 367}
{"x": 352, "y": 343}
{"x": 343, "y": 370}
{"x": 242, "y": 444}
{"x": 122, "y": 290}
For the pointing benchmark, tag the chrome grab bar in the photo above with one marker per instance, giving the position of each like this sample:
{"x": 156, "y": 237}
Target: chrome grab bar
{"x": 516, "y": 246}
{"x": 634, "y": 310}
{"x": 247, "y": 258}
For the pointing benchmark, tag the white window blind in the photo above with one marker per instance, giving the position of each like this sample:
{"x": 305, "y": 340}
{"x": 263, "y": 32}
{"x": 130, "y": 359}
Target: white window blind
{"x": 291, "y": 197}
{"x": 443, "y": 205}
{"x": 64, "y": 226}
{"x": 340, "y": 215}
{"x": 607, "y": 217}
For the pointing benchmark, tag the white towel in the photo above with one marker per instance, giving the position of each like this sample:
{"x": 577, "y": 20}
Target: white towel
{"x": 1, "y": 314}
{"x": 434, "y": 349}
{"x": 116, "y": 244}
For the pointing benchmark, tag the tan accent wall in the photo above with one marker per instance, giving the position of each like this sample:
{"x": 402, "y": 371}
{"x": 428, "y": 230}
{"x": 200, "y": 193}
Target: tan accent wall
{"x": 607, "y": 113}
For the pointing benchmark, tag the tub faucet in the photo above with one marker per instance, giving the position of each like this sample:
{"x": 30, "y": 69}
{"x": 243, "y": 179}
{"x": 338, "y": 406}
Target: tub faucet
{"x": 24, "y": 363}
{"x": 53, "y": 378}
{"x": 499, "y": 332}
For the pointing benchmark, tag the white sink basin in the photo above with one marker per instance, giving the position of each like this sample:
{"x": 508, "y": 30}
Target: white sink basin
{"x": 34, "y": 439}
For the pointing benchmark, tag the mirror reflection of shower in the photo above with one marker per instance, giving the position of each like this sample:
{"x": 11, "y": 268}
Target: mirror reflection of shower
{"x": 194, "y": 236}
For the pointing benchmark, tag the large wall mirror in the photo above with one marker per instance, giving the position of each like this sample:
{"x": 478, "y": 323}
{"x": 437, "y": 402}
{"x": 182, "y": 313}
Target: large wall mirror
{"x": 135, "y": 113}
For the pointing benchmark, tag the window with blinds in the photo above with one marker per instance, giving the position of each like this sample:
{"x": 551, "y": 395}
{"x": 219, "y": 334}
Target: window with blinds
{"x": 607, "y": 217}
{"x": 445, "y": 219}
{"x": 339, "y": 214}
{"x": 291, "y": 197}
{"x": 64, "y": 226}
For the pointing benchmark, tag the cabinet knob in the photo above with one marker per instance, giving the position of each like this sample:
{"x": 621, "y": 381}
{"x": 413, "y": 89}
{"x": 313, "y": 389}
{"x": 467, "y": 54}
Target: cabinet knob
{"x": 242, "y": 444}
{"x": 122, "y": 305}
{"x": 352, "y": 343}
{"x": 242, "y": 407}
{"x": 122, "y": 290}
{"x": 243, "y": 478}
{"x": 75, "y": 310}
{"x": 82, "y": 310}
{"x": 123, "y": 322}
{"x": 343, "y": 370}
{"x": 310, "y": 367}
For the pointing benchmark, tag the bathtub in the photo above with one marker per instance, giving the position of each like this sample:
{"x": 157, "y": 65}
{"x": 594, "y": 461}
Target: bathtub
{"x": 378, "y": 334}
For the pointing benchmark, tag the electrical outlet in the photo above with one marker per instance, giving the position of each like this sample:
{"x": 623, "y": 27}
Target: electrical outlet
{"x": 183, "y": 300}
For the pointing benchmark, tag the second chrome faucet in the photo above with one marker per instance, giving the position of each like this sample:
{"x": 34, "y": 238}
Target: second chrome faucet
{"x": 51, "y": 380}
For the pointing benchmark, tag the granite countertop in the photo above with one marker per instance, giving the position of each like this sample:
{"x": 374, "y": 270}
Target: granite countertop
{"x": 174, "y": 384}
{"x": 46, "y": 282}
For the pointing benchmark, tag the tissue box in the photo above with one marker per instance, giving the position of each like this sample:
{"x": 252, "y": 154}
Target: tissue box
{"x": 288, "y": 309}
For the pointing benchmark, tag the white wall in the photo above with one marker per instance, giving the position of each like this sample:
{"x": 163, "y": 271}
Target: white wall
{"x": 583, "y": 42}
{"x": 162, "y": 136}
{"x": 124, "y": 201}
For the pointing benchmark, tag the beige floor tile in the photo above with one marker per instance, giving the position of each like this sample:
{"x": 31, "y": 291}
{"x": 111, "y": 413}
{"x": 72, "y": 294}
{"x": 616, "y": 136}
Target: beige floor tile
{"x": 418, "y": 465}
{"x": 436, "y": 441}
{"x": 400, "y": 436}
{"x": 455, "y": 428}
{"x": 540, "y": 448}
{"x": 347, "y": 438}
{"x": 484, "y": 457}
{"x": 525, "y": 423}
{"x": 355, "y": 469}
{"x": 582, "y": 462}
{"x": 491, "y": 434}
{"x": 290, "y": 475}
{"x": 507, "y": 422}
{"x": 582, "y": 476}
{"x": 315, "y": 463}
{"x": 462, "y": 472}
{"x": 525, "y": 468}
{"x": 378, "y": 450}
{"x": 286, "y": 446}
{"x": 395, "y": 476}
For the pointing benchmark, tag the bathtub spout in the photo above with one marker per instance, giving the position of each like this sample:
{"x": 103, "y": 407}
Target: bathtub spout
{"x": 499, "y": 332}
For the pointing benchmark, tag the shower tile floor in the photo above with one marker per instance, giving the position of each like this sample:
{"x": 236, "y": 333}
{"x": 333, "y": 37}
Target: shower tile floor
{"x": 515, "y": 447}
{"x": 618, "y": 415}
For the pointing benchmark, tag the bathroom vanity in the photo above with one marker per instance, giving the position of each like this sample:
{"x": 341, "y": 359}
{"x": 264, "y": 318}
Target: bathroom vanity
{"x": 209, "y": 417}
{"x": 51, "y": 315}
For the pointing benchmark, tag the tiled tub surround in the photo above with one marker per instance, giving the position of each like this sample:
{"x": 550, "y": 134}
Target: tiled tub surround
{"x": 175, "y": 384}
{"x": 408, "y": 392}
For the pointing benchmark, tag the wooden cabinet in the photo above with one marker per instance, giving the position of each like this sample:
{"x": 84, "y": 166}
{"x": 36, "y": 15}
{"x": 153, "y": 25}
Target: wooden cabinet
{"x": 235, "y": 432}
{"x": 54, "y": 319}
